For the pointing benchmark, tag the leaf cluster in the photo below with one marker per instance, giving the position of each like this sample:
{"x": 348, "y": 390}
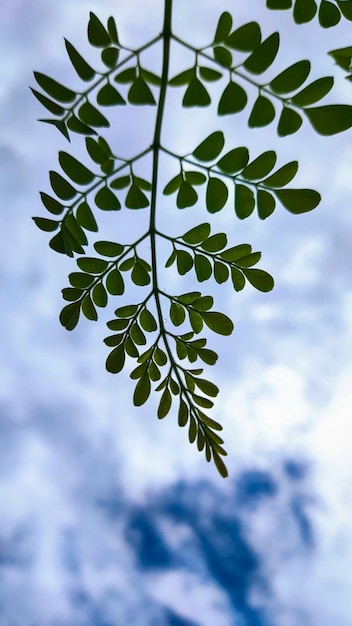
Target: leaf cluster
{"x": 162, "y": 332}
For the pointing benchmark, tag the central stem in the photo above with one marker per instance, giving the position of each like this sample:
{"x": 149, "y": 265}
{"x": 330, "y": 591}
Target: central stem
{"x": 166, "y": 34}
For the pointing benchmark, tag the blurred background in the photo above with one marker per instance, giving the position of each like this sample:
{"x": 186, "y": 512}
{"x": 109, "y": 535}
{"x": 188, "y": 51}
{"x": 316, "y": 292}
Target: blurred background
{"x": 108, "y": 516}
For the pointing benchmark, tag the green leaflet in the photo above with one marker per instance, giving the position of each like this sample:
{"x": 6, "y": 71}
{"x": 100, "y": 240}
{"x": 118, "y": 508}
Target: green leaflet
{"x": 211, "y": 147}
{"x": 292, "y": 78}
{"x": 261, "y": 166}
{"x": 262, "y": 114}
{"x": 329, "y": 15}
{"x": 290, "y": 122}
{"x": 222, "y": 56}
{"x": 61, "y": 186}
{"x": 52, "y": 106}
{"x": 282, "y": 176}
{"x": 331, "y": 118}
{"x": 106, "y": 200}
{"x": 140, "y": 93}
{"x": 216, "y": 194}
{"x": 110, "y": 56}
{"x": 83, "y": 69}
{"x": 218, "y": 322}
{"x": 223, "y": 28}
{"x": 90, "y": 115}
{"x": 75, "y": 170}
{"x": 197, "y": 234}
{"x": 109, "y": 96}
{"x": 264, "y": 55}
{"x": 233, "y": 99}
{"x": 186, "y": 196}
{"x": 45, "y": 224}
{"x": 298, "y": 200}
{"x": 86, "y": 218}
{"x": 313, "y": 92}
{"x": 97, "y": 34}
{"x": 108, "y": 248}
{"x": 54, "y": 89}
{"x": 135, "y": 198}
{"x": 51, "y": 204}
{"x": 304, "y": 11}
{"x": 234, "y": 161}
{"x": 342, "y": 57}
{"x": 245, "y": 38}
{"x": 196, "y": 94}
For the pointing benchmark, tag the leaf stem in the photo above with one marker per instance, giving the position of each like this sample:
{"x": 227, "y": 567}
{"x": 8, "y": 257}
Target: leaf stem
{"x": 166, "y": 34}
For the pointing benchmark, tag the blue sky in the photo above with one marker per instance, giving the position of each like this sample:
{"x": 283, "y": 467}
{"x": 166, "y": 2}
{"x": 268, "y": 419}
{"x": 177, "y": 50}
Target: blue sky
{"x": 108, "y": 516}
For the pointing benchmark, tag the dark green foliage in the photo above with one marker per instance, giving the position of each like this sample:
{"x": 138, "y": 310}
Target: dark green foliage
{"x": 163, "y": 332}
{"x": 329, "y": 12}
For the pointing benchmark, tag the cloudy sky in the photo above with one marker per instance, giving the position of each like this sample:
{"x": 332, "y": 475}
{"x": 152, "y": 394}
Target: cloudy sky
{"x": 108, "y": 516}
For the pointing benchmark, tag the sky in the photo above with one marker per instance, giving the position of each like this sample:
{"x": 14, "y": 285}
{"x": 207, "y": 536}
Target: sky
{"x": 107, "y": 515}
